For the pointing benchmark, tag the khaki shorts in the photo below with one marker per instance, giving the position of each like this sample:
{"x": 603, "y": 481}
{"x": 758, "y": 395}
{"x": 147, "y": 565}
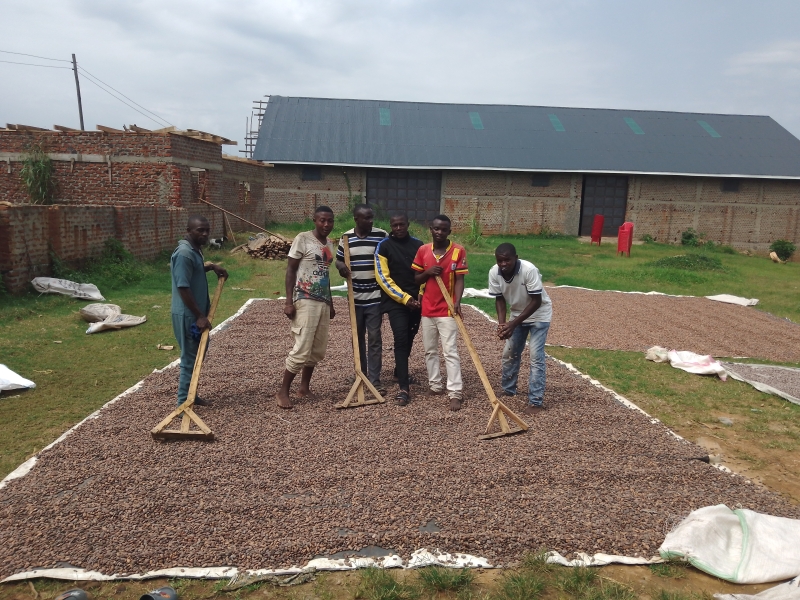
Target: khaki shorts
{"x": 310, "y": 328}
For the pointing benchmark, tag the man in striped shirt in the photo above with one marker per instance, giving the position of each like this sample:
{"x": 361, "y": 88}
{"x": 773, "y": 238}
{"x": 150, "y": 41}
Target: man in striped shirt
{"x": 363, "y": 239}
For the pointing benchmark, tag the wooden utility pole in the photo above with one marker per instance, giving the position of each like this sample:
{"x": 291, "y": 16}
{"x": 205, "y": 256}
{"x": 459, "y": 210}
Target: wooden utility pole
{"x": 78, "y": 87}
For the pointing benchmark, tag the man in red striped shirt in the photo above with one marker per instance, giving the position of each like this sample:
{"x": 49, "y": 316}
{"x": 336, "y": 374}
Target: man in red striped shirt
{"x": 449, "y": 261}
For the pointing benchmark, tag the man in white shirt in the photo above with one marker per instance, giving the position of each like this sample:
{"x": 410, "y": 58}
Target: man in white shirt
{"x": 517, "y": 285}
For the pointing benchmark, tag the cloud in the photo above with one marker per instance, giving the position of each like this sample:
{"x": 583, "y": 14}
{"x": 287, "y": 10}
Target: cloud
{"x": 778, "y": 59}
{"x": 200, "y": 64}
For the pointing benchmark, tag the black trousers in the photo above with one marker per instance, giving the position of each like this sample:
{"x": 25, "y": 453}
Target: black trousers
{"x": 405, "y": 325}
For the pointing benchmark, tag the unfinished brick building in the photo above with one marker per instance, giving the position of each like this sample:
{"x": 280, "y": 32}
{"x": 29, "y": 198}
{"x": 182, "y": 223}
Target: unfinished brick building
{"x": 135, "y": 185}
{"x": 518, "y": 169}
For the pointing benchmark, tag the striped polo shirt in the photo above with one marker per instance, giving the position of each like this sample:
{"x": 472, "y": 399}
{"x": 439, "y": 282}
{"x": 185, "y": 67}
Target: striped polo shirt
{"x": 366, "y": 290}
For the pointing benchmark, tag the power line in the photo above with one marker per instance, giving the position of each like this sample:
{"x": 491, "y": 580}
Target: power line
{"x": 125, "y": 103}
{"x": 34, "y": 56}
{"x": 124, "y": 96}
{"x": 11, "y": 62}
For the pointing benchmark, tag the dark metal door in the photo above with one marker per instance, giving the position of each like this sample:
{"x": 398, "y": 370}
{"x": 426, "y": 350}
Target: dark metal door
{"x": 416, "y": 193}
{"x": 604, "y": 195}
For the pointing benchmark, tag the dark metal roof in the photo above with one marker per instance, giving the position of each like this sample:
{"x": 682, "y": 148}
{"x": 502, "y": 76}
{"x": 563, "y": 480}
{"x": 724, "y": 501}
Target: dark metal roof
{"x": 527, "y": 138}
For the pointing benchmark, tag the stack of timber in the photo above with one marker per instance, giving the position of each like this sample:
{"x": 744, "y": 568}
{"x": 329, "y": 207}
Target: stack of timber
{"x": 268, "y": 246}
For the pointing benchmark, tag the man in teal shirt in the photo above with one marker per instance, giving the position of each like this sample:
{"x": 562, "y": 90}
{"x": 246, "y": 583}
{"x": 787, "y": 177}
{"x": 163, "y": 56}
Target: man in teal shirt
{"x": 190, "y": 300}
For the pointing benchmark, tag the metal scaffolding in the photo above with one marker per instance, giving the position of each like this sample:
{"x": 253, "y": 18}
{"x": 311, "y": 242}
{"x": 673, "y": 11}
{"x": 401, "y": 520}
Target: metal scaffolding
{"x": 252, "y": 127}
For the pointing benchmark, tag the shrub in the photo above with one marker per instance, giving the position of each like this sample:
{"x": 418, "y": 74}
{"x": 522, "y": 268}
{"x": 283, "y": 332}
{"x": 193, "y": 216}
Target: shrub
{"x": 783, "y": 248}
{"x": 37, "y": 175}
{"x": 689, "y": 238}
{"x": 648, "y": 239}
{"x": 689, "y": 262}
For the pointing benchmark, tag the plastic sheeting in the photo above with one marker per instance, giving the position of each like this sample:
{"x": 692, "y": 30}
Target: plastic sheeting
{"x": 759, "y": 385}
{"x": 741, "y": 545}
{"x": 11, "y": 381}
{"x": 82, "y": 291}
{"x": 690, "y": 362}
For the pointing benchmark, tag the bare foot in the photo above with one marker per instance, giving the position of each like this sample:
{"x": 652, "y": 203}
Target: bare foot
{"x": 455, "y": 404}
{"x": 532, "y": 410}
{"x": 304, "y": 392}
{"x": 283, "y": 400}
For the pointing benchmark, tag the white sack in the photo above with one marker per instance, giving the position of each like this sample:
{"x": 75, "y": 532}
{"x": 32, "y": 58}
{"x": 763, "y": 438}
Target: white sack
{"x": 92, "y": 313}
{"x": 734, "y": 299}
{"x": 83, "y": 291}
{"x": 657, "y": 354}
{"x": 11, "y": 381}
{"x": 741, "y": 546}
{"x": 116, "y": 322}
{"x": 785, "y": 591}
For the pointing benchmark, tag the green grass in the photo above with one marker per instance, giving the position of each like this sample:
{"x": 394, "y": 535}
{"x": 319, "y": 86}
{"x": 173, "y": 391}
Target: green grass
{"x": 689, "y": 262}
{"x": 577, "y": 582}
{"x": 519, "y": 586}
{"x": 442, "y": 579}
{"x": 672, "y": 569}
{"x": 381, "y": 584}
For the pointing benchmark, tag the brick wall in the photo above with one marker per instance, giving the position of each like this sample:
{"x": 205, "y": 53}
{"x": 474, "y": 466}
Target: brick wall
{"x": 74, "y": 233}
{"x": 146, "y": 169}
{"x": 753, "y": 217}
{"x": 288, "y": 198}
{"x": 507, "y": 202}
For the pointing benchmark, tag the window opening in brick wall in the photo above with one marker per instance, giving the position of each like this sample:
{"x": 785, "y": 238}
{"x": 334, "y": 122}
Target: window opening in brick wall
{"x": 711, "y": 131}
{"x": 385, "y": 116}
{"x": 634, "y": 126}
{"x": 244, "y": 191}
{"x": 540, "y": 180}
{"x": 556, "y": 123}
{"x": 476, "y": 120}
{"x": 312, "y": 174}
{"x": 730, "y": 185}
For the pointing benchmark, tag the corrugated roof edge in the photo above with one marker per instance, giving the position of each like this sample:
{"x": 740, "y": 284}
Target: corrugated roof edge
{"x": 581, "y": 171}
{"x": 637, "y": 110}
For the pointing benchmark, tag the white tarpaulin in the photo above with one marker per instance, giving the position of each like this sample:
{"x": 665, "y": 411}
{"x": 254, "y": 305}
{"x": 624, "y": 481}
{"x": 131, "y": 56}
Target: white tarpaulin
{"x": 83, "y": 291}
{"x": 727, "y": 298}
{"x": 741, "y": 545}
{"x": 11, "y": 381}
{"x": 785, "y": 591}
{"x": 688, "y": 361}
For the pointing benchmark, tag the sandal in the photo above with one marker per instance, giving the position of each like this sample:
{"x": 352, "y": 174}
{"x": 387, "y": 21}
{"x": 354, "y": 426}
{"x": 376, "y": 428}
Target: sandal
{"x": 402, "y": 398}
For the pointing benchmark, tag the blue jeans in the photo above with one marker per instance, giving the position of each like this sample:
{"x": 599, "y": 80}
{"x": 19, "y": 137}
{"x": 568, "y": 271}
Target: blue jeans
{"x": 512, "y": 356}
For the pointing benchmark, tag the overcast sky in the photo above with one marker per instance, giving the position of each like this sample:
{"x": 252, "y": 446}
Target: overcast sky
{"x": 200, "y": 64}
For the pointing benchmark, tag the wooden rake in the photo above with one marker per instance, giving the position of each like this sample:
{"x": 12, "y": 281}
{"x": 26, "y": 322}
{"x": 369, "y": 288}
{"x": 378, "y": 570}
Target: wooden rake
{"x": 357, "y": 391}
{"x": 499, "y": 410}
{"x": 186, "y": 409}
